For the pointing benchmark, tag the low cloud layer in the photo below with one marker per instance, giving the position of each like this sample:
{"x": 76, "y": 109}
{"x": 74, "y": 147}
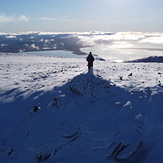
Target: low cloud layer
{"x": 158, "y": 39}
{"x": 80, "y": 43}
{"x": 137, "y": 39}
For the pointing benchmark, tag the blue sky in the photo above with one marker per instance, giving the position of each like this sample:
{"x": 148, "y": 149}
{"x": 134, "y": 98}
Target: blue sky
{"x": 81, "y": 15}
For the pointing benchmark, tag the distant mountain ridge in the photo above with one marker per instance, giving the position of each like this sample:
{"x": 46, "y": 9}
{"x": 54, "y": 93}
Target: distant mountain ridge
{"x": 158, "y": 59}
{"x": 36, "y": 42}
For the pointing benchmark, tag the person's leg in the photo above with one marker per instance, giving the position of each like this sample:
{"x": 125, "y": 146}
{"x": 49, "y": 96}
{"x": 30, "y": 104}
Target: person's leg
{"x": 91, "y": 70}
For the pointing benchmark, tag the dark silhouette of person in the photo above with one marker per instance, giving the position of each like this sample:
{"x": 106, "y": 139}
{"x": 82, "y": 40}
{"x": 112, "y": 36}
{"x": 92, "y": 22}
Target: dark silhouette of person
{"x": 90, "y": 60}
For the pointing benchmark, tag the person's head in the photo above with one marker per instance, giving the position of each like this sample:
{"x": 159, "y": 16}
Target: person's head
{"x": 90, "y": 53}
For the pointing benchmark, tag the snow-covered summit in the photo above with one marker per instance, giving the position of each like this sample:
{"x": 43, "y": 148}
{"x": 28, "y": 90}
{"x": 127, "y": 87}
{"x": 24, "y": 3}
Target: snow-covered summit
{"x": 88, "y": 84}
{"x": 114, "y": 115}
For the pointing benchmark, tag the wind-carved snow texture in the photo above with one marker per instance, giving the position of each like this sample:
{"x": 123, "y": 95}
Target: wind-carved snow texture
{"x": 78, "y": 116}
{"x": 88, "y": 84}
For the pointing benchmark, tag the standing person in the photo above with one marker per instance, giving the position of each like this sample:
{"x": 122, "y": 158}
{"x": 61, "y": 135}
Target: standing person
{"x": 90, "y": 60}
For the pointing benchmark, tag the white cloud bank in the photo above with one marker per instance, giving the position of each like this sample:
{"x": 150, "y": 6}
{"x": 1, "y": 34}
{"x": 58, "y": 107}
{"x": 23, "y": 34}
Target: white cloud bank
{"x": 8, "y": 19}
{"x": 153, "y": 39}
{"x": 123, "y": 39}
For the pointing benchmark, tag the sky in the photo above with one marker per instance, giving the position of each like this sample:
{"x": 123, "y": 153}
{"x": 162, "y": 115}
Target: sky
{"x": 81, "y": 15}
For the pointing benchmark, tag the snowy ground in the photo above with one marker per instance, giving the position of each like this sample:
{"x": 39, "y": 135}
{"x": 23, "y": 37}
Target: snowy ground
{"x": 114, "y": 115}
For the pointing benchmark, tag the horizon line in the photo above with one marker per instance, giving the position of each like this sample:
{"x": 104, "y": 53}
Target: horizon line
{"x": 79, "y": 32}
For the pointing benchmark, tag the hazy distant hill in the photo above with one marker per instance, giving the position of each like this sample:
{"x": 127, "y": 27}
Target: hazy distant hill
{"x": 158, "y": 59}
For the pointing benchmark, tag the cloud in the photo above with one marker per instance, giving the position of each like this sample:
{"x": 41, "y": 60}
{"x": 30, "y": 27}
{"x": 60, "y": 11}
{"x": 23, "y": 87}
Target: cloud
{"x": 5, "y": 19}
{"x": 55, "y": 19}
{"x": 131, "y": 40}
{"x": 64, "y": 19}
{"x": 10, "y": 36}
{"x": 23, "y": 18}
{"x": 8, "y": 19}
{"x": 33, "y": 46}
{"x": 153, "y": 39}
{"x": 98, "y": 37}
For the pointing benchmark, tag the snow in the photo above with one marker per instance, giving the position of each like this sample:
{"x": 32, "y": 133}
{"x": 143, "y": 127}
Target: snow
{"x": 53, "y": 110}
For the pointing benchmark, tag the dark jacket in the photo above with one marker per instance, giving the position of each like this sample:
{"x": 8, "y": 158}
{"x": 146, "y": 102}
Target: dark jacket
{"x": 90, "y": 60}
